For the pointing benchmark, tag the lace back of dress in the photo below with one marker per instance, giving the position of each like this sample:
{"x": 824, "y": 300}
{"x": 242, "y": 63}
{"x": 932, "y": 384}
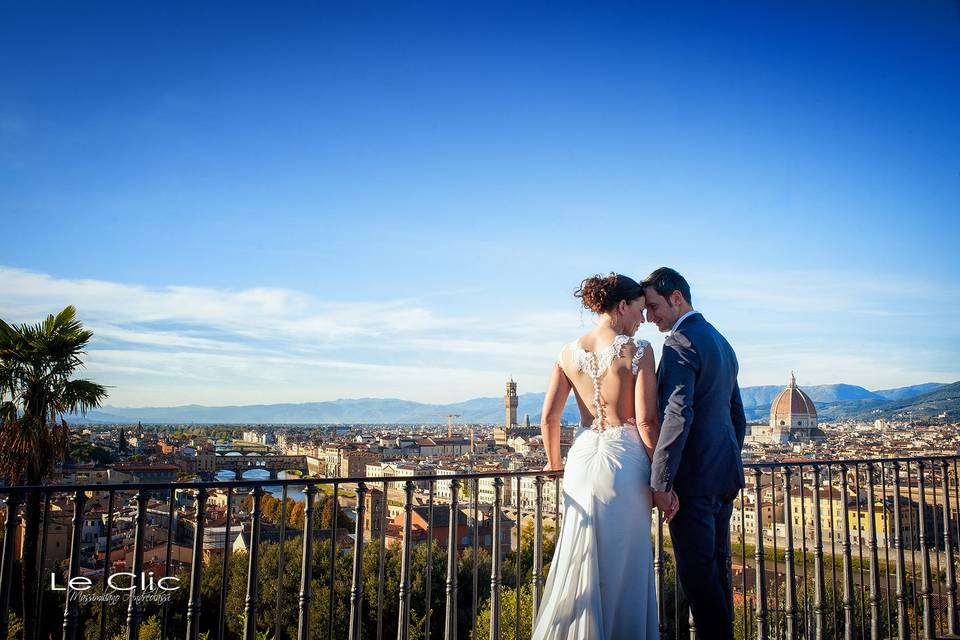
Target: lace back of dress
{"x": 596, "y": 365}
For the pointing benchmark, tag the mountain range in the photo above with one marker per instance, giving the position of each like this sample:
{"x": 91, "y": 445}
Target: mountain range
{"x": 832, "y": 401}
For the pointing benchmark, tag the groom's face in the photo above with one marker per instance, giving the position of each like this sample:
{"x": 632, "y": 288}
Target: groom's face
{"x": 659, "y": 310}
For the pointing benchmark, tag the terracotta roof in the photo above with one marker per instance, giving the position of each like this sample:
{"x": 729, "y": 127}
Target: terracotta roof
{"x": 441, "y": 515}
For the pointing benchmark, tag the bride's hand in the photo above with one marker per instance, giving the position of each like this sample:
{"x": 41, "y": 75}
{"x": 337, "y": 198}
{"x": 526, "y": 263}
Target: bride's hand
{"x": 548, "y": 467}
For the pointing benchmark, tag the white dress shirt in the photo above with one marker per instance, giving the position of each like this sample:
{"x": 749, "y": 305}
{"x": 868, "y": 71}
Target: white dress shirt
{"x": 681, "y": 319}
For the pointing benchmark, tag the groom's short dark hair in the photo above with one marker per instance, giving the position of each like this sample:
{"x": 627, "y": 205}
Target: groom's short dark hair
{"x": 665, "y": 281}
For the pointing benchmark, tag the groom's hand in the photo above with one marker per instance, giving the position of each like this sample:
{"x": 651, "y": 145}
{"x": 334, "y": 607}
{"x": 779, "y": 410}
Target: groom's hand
{"x": 668, "y": 503}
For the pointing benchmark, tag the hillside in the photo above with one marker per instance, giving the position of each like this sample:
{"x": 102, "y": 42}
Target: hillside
{"x": 942, "y": 403}
{"x": 832, "y": 401}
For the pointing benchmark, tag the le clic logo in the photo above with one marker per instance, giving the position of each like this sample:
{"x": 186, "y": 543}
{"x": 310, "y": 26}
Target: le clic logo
{"x": 121, "y": 581}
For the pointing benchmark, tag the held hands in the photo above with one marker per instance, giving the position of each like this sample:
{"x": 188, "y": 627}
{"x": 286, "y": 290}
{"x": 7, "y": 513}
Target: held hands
{"x": 668, "y": 503}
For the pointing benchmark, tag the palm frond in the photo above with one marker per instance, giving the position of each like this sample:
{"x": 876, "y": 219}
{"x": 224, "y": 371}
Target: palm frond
{"x": 81, "y": 396}
{"x": 8, "y": 413}
{"x": 29, "y": 450}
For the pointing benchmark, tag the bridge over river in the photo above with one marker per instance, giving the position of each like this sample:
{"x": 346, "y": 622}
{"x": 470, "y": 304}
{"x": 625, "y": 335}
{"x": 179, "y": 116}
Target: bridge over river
{"x": 239, "y": 463}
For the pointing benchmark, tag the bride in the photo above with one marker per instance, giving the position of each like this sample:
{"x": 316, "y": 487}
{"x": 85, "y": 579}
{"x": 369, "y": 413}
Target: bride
{"x": 601, "y": 584}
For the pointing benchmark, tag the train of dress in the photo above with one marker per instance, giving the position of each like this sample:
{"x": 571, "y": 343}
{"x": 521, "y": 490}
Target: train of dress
{"x": 600, "y": 584}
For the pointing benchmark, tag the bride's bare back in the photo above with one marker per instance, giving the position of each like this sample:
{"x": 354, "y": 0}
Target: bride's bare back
{"x": 625, "y": 388}
{"x": 614, "y": 360}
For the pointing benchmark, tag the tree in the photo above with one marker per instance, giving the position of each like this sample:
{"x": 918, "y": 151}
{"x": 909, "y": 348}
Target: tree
{"x": 508, "y": 615}
{"x": 81, "y": 451}
{"x": 37, "y": 363}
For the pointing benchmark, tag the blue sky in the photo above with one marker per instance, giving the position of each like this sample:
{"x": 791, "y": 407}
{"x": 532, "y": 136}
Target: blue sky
{"x": 292, "y": 202}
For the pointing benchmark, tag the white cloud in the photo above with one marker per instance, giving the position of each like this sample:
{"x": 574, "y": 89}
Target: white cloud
{"x": 179, "y": 344}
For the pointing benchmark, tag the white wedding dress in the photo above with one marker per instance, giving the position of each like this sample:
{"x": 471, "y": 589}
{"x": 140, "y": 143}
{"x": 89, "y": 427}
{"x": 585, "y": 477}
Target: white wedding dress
{"x": 600, "y": 584}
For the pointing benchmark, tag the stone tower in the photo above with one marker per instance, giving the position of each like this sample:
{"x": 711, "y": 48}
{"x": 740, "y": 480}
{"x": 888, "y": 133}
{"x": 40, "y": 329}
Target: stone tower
{"x": 511, "y": 402}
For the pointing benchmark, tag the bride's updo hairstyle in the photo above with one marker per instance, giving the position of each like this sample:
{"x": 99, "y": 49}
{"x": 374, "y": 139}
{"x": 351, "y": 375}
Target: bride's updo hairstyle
{"x": 603, "y": 293}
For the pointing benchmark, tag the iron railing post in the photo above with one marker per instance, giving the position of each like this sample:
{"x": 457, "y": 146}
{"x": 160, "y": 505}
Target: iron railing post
{"x": 519, "y": 530}
{"x": 790, "y": 597}
{"x": 281, "y": 558}
{"x": 382, "y": 515}
{"x": 925, "y": 587}
{"x": 71, "y": 611}
{"x": 10, "y": 524}
{"x": 948, "y": 550}
{"x": 495, "y": 562}
{"x": 803, "y": 554}
{"x": 860, "y": 563}
{"x": 818, "y": 587}
{"x": 106, "y": 563}
{"x": 193, "y": 606}
{"x": 403, "y": 624}
{"x": 428, "y": 595}
{"x": 776, "y": 619}
{"x": 306, "y": 564}
{"x": 833, "y": 553}
{"x": 761, "y": 586}
{"x": 167, "y": 559}
{"x": 253, "y": 572}
{"x": 133, "y": 606}
{"x": 887, "y": 541}
{"x": 42, "y": 561}
{"x": 849, "y": 622}
{"x": 743, "y": 563}
{"x": 356, "y": 589}
{"x": 537, "y": 545}
{"x": 903, "y": 627}
{"x": 475, "y": 548}
{"x": 450, "y": 622}
{"x": 874, "y": 558}
{"x": 334, "y": 513}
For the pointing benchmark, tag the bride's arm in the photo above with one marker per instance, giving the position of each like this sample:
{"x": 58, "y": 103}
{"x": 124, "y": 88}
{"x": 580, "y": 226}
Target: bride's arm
{"x": 648, "y": 416}
{"x": 553, "y": 402}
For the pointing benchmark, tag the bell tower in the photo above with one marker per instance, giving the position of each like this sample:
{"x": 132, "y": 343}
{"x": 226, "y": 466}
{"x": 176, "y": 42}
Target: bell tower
{"x": 510, "y": 402}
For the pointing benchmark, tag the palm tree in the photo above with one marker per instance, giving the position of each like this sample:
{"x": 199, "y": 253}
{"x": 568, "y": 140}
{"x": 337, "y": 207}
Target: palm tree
{"x": 36, "y": 392}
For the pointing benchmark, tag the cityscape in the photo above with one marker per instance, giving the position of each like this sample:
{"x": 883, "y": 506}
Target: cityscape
{"x": 406, "y": 500}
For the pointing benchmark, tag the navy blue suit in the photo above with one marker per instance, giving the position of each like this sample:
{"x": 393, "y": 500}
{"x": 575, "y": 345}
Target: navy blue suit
{"x": 698, "y": 456}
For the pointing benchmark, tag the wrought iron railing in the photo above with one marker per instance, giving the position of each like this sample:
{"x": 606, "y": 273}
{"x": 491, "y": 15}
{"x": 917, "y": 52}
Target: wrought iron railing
{"x": 851, "y": 548}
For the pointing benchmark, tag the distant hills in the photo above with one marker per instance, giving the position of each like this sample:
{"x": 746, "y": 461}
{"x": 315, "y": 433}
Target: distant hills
{"x": 353, "y": 411}
{"x": 942, "y": 402}
{"x": 832, "y": 401}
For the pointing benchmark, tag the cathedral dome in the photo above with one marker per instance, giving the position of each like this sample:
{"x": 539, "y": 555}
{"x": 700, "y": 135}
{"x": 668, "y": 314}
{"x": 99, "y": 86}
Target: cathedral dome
{"x": 790, "y": 404}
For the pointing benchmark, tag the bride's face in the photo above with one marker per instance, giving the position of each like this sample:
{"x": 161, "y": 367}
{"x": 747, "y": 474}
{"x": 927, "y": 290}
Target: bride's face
{"x": 631, "y": 316}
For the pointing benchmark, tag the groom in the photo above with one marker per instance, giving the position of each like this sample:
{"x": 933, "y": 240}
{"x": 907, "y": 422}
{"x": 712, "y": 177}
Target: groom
{"x": 697, "y": 459}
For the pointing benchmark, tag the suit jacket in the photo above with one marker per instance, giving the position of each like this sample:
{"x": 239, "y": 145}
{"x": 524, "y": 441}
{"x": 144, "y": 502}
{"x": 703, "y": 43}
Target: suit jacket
{"x": 702, "y": 420}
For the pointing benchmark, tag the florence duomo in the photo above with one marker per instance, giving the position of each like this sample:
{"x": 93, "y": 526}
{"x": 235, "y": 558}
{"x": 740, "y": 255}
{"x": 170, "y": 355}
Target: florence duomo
{"x": 793, "y": 419}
